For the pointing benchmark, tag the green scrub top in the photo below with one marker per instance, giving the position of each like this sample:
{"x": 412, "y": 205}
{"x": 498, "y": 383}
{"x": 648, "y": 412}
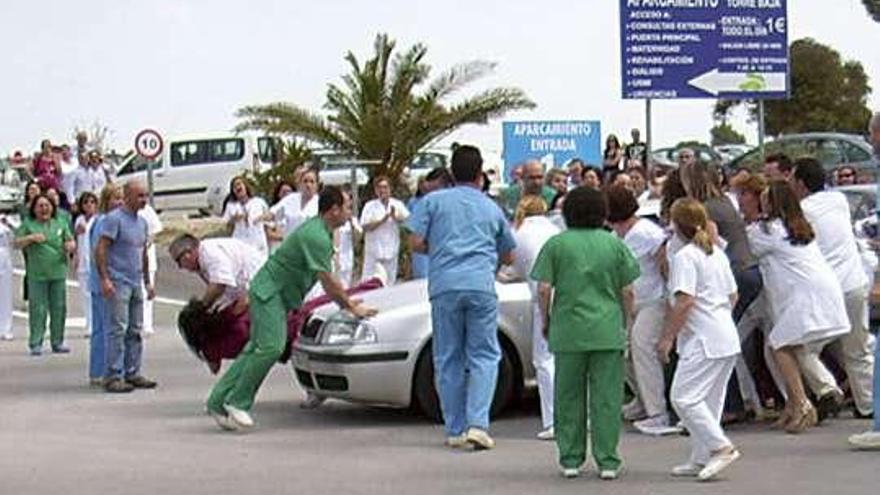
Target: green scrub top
{"x": 293, "y": 268}
{"x": 46, "y": 260}
{"x": 588, "y": 269}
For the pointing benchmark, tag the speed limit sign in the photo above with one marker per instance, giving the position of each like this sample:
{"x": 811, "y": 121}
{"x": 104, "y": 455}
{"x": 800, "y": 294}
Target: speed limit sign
{"x": 148, "y": 144}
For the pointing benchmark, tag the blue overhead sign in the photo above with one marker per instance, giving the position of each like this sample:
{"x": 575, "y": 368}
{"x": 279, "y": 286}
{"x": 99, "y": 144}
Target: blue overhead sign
{"x": 704, "y": 49}
{"x": 553, "y": 143}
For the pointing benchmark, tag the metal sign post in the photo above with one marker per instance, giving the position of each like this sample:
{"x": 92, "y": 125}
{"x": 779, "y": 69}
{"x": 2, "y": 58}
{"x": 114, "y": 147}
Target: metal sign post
{"x": 149, "y": 145}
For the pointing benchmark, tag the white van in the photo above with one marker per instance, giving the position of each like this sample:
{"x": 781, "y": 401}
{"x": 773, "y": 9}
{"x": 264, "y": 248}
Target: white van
{"x": 192, "y": 165}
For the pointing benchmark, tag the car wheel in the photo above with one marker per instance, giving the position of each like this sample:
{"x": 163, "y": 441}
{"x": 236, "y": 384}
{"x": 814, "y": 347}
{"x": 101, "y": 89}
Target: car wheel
{"x": 507, "y": 389}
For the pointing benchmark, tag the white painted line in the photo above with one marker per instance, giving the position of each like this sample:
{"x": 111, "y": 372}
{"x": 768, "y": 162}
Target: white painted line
{"x": 75, "y": 284}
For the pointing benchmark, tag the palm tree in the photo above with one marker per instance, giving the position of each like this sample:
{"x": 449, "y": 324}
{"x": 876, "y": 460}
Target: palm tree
{"x": 386, "y": 108}
{"x": 873, "y": 8}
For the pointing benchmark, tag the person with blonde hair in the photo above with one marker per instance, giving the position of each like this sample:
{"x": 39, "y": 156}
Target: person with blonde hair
{"x": 700, "y": 325}
{"x": 805, "y": 298}
{"x": 532, "y": 229}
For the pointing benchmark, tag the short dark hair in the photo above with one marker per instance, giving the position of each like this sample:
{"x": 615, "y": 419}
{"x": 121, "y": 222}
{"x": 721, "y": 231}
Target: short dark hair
{"x": 585, "y": 208}
{"x": 330, "y": 196}
{"x": 809, "y": 171}
{"x": 467, "y": 164}
{"x": 33, "y": 206}
{"x": 781, "y": 159}
{"x": 622, "y": 203}
{"x": 441, "y": 173}
{"x": 85, "y": 196}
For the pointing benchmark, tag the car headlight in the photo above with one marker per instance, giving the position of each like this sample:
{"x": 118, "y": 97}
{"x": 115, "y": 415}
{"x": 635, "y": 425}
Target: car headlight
{"x": 344, "y": 329}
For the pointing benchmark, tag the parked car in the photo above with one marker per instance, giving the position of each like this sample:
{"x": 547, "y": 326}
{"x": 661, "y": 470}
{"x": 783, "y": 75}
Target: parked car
{"x": 863, "y": 211}
{"x": 12, "y": 183}
{"x": 386, "y": 360}
{"x": 729, "y": 152}
{"x": 668, "y": 157}
{"x": 832, "y": 149}
{"x": 194, "y": 170}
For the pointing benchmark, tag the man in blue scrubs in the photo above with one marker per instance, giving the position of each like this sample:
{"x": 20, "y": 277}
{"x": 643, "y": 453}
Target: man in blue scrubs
{"x": 464, "y": 234}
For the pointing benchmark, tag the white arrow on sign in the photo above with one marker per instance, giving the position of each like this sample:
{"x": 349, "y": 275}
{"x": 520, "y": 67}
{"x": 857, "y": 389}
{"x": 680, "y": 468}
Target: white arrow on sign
{"x": 714, "y": 82}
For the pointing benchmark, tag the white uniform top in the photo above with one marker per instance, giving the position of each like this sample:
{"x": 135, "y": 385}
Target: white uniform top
{"x": 383, "y": 243}
{"x": 828, "y": 213}
{"x": 251, "y": 229}
{"x": 644, "y": 239}
{"x": 804, "y": 296}
{"x": 345, "y": 249}
{"x": 154, "y": 226}
{"x": 7, "y": 237}
{"x": 290, "y": 213}
{"x": 229, "y": 262}
{"x": 709, "y": 280}
{"x": 530, "y": 238}
{"x": 83, "y": 248}
{"x": 82, "y": 179}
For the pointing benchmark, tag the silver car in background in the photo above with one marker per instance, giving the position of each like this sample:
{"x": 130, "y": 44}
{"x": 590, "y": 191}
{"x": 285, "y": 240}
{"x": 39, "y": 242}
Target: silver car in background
{"x": 386, "y": 360}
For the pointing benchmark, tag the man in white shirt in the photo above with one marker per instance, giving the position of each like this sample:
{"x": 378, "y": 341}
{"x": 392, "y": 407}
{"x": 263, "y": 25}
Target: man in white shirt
{"x": 154, "y": 226}
{"x": 829, "y": 215}
{"x": 381, "y": 219}
{"x": 226, "y": 265}
{"x": 87, "y": 177}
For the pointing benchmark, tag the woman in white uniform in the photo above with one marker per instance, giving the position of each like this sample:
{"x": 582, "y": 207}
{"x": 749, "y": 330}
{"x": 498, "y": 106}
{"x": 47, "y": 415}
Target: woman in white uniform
{"x": 532, "y": 230}
{"x": 87, "y": 205}
{"x": 805, "y": 298}
{"x": 700, "y": 325}
{"x": 244, "y": 214}
{"x": 297, "y": 207}
{"x": 645, "y": 239}
{"x": 344, "y": 240}
{"x": 7, "y": 237}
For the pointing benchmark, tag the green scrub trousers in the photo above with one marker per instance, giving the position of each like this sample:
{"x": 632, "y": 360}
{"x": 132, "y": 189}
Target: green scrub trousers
{"x": 238, "y": 386}
{"x": 597, "y": 377}
{"x": 46, "y": 298}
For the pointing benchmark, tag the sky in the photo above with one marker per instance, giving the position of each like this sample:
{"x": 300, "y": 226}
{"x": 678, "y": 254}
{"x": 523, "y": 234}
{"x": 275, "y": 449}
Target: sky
{"x": 185, "y": 66}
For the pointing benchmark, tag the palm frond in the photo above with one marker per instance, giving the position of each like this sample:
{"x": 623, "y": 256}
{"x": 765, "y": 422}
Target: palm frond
{"x": 457, "y": 77}
{"x": 280, "y": 119}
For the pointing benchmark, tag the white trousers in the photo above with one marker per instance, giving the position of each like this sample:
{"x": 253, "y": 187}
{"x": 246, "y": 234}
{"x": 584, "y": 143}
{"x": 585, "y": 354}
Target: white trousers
{"x": 5, "y": 292}
{"x": 389, "y": 265}
{"x": 85, "y": 296}
{"x": 757, "y": 316}
{"x": 148, "y": 307}
{"x": 542, "y": 360}
{"x": 698, "y": 391}
{"x": 855, "y": 351}
{"x": 646, "y": 331}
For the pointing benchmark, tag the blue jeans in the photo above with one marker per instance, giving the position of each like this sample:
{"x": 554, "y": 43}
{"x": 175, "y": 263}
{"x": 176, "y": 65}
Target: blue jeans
{"x": 466, "y": 356}
{"x": 98, "y": 338}
{"x": 123, "y": 323}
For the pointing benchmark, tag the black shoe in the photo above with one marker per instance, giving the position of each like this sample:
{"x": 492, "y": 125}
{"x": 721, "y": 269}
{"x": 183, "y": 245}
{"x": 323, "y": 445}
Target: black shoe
{"x": 138, "y": 381}
{"x": 827, "y": 406}
{"x": 858, "y": 415}
{"x": 118, "y": 386}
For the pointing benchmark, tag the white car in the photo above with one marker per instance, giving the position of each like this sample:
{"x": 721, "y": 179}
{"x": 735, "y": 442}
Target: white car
{"x": 386, "y": 360}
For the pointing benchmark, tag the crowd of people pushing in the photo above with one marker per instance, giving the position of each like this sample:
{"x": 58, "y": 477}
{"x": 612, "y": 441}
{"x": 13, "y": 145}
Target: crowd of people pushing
{"x": 621, "y": 292}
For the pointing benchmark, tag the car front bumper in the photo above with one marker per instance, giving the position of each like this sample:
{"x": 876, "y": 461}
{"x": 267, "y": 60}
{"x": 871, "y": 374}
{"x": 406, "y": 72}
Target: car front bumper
{"x": 369, "y": 374}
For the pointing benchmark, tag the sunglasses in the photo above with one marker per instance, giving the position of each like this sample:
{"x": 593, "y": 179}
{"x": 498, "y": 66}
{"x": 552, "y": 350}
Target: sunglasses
{"x": 846, "y": 175}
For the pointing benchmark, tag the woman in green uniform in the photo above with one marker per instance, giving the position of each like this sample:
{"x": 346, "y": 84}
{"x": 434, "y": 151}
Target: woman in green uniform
{"x": 584, "y": 276}
{"x": 47, "y": 242}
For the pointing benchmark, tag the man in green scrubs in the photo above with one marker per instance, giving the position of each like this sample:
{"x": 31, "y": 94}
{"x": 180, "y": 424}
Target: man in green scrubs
{"x": 280, "y": 286}
{"x": 586, "y": 271}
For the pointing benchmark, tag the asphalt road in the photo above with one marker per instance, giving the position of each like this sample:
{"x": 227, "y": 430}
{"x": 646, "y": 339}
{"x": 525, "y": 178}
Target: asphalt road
{"x": 59, "y": 436}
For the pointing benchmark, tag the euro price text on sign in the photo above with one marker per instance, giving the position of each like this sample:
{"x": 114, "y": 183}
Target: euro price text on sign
{"x": 704, "y": 49}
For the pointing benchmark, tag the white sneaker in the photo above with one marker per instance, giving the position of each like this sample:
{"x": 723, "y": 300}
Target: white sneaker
{"x": 240, "y": 417}
{"x": 547, "y": 434}
{"x": 569, "y": 473}
{"x": 611, "y": 474}
{"x": 312, "y": 401}
{"x": 656, "y": 426}
{"x": 223, "y": 421}
{"x": 718, "y": 463}
{"x": 6, "y": 336}
{"x": 480, "y": 439}
{"x": 687, "y": 470}
{"x": 869, "y": 440}
{"x": 633, "y": 410}
{"x": 457, "y": 441}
